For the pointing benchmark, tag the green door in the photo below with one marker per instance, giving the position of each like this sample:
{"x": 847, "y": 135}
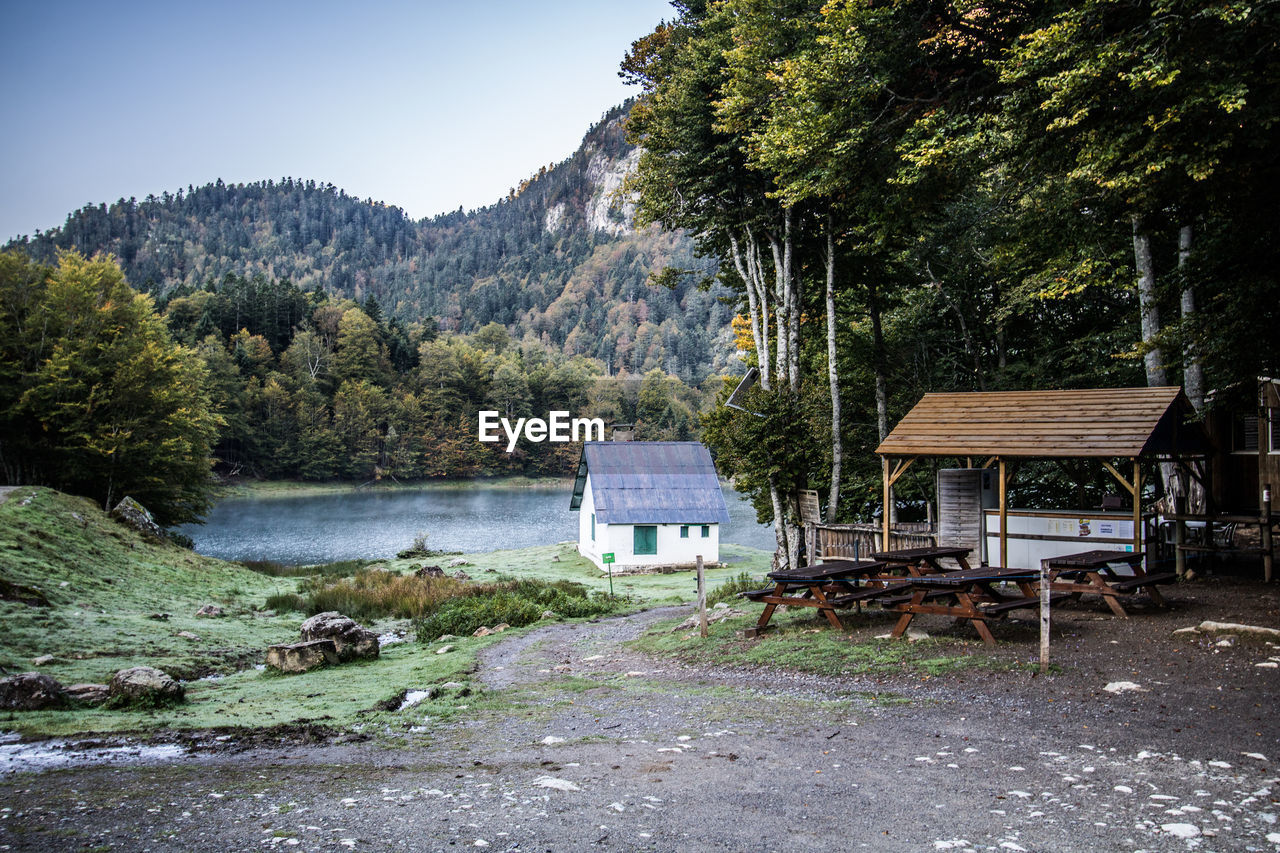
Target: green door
{"x": 646, "y": 539}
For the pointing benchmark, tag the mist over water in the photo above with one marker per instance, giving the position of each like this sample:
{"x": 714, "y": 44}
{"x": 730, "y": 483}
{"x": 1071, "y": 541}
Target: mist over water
{"x": 320, "y": 528}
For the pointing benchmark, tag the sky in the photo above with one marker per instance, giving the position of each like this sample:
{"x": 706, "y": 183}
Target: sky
{"x": 429, "y": 106}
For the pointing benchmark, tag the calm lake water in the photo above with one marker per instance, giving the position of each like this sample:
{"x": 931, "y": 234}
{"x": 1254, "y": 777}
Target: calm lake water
{"x": 320, "y": 528}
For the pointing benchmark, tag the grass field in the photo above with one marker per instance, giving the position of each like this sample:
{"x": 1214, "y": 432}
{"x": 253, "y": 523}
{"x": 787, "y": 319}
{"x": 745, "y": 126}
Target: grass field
{"x": 116, "y": 600}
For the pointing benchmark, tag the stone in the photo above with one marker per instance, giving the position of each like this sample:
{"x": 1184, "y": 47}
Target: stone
{"x": 133, "y": 514}
{"x": 500, "y": 627}
{"x": 88, "y": 694}
{"x": 444, "y": 638}
{"x": 302, "y": 657}
{"x": 430, "y": 572}
{"x": 549, "y": 614}
{"x": 351, "y": 640}
{"x": 187, "y": 635}
{"x": 42, "y": 660}
{"x": 1236, "y": 628}
{"x": 31, "y": 691}
{"x": 144, "y": 685}
{"x": 458, "y": 561}
{"x": 444, "y": 650}
{"x": 482, "y": 631}
{"x": 210, "y": 611}
{"x": 461, "y": 575}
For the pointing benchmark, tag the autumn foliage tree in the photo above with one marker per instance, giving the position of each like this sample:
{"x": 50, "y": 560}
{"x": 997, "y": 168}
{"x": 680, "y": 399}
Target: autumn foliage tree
{"x": 95, "y": 396}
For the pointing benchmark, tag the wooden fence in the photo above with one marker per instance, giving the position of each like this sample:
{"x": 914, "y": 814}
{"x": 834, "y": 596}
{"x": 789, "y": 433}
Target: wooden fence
{"x": 859, "y": 541}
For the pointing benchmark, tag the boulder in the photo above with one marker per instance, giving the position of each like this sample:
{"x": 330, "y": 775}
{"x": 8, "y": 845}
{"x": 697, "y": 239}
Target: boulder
{"x": 461, "y": 575}
{"x": 42, "y": 660}
{"x": 457, "y": 562}
{"x": 430, "y": 572}
{"x": 352, "y": 640}
{"x": 210, "y": 611}
{"x": 31, "y": 691}
{"x": 133, "y": 514}
{"x": 88, "y": 694}
{"x": 144, "y": 685}
{"x": 301, "y": 657}
{"x": 482, "y": 631}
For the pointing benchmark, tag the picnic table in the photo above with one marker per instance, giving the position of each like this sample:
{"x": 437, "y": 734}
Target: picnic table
{"x": 922, "y": 561}
{"x": 826, "y": 586}
{"x": 966, "y": 594}
{"x": 1095, "y": 572}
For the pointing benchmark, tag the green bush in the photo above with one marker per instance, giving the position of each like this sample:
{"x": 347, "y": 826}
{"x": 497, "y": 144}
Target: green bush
{"x": 728, "y": 591}
{"x": 517, "y": 603}
{"x": 286, "y": 601}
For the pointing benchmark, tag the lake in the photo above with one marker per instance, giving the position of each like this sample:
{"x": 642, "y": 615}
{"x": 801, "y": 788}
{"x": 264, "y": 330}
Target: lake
{"x": 320, "y": 528}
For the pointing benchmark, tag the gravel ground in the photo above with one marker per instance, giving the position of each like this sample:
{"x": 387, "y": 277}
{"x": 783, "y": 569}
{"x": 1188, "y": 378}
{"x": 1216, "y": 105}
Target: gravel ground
{"x": 600, "y": 747}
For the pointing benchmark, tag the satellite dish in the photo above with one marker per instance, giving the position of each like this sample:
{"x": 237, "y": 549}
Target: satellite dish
{"x": 740, "y": 393}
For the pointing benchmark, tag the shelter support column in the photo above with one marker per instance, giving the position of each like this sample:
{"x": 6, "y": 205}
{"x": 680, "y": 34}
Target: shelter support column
{"x": 884, "y": 516}
{"x": 1004, "y": 514}
{"x": 1137, "y": 505}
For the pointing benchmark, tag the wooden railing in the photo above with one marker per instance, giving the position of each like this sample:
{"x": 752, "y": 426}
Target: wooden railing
{"x": 858, "y": 541}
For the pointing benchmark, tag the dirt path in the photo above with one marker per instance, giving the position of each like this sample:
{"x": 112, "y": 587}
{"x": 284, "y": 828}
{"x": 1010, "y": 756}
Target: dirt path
{"x": 587, "y": 745}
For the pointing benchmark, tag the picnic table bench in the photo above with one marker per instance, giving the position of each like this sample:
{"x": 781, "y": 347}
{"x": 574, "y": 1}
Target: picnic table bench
{"x": 1094, "y": 572}
{"x": 922, "y": 561}
{"x": 826, "y": 586}
{"x": 968, "y": 594}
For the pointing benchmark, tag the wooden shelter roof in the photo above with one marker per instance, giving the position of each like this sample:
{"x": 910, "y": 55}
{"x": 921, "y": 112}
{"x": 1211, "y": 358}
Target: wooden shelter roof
{"x": 1093, "y": 422}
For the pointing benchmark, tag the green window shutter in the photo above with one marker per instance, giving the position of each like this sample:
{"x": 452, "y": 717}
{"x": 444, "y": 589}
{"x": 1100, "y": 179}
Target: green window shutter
{"x": 593, "y": 527}
{"x": 706, "y": 531}
{"x": 645, "y": 540}
{"x": 684, "y": 531}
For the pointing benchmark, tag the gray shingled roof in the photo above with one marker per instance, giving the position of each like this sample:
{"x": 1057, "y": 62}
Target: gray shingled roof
{"x": 651, "y": 482}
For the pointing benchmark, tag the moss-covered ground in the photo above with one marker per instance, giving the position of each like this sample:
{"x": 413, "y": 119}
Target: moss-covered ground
{"x": 115, "y": 600}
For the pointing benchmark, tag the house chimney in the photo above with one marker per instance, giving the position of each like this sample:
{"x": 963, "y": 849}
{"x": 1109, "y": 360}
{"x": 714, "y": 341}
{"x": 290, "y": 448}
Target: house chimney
{"x": 624, "y": 432}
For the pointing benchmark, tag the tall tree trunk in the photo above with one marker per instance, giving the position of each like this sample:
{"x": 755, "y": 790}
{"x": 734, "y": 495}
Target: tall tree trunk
{"x": 747, "y": 271}
{"x": 1192, "y": 369}
{"x": 781, "y": 310}
{"x": 833, "y": 377}
{"x": 783, "y": 554}
{"x": 793, "y": 303}
{"x": 1147, "y": 304}
{"x": 878, "y": 361}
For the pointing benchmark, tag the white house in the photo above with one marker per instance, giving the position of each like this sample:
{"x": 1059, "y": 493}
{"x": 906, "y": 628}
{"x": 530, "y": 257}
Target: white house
{"x": 648, "y": 503}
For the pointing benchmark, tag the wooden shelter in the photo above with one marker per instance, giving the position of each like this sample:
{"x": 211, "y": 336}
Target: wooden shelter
{"x": 1118, "y": 427}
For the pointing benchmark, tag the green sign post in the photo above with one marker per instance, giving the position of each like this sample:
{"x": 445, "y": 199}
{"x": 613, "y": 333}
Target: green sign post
{"x": 607, "y": 559}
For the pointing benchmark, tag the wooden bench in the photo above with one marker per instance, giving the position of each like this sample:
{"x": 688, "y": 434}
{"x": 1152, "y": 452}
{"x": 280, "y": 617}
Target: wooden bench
{"x": 1019, "y": 603}
{"x": 1145, "y": 580}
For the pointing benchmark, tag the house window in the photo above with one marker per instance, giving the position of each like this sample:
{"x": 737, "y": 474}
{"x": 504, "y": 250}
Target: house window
{"x": 645, "y": 540}
{"x": 684, "y": 531}
{"x": 1274, "y": 417}
{"x": 1244, "y": 437}
{"x": 706, "y": 531}
{"x": 593, "y": 527}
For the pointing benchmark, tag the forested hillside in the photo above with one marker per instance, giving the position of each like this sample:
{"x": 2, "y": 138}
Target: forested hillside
{"x": 557, "y": 261}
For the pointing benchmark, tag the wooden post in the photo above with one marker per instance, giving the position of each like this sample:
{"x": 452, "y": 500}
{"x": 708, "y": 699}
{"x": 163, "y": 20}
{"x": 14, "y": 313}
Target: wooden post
{"x": 1137, "y": 505}
{"x": 1004, "y": 516}
{"x": 702, "y": 598}
{"x": 1179, "y": 536}
{"x": 1044, "y": 617}
{"x": 884, "y": 541}
{"x": 1266, "y": 532}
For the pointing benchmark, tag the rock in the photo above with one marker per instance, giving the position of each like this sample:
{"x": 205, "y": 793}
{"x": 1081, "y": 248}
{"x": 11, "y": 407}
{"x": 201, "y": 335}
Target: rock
{"x": 461, "y": 575}
{"x": 187, "y": 635}
{"x": 500, "y": 627}
{"x": 481, "y": 632}
{"x": 444, "y": 650}
{"x": 144, "y": 685}
{"x": 914, "y": 634}
{"x": 444, "y": 638}
{"x": 1124, "y": 687}
{"x": 351, "y": 640}
{"x": 549, "y": 614}
{"x": 304, "y": 656}
{"x": 159, "y": 617}
{"x": 210, "y": 611}
{"x": 42, "y": 660}
{"x": 1234, "y": 628}
{"x": 458, "y": 561}
{"x": 88, "y": 694}
{"x": 133, "y": 514}
{"x": 430, "y": 572}
{"x": 555, "y": 784}
{"x": 31, "y": 691}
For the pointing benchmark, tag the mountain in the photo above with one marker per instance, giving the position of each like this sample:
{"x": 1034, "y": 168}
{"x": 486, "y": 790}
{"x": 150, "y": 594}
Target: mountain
{"x": 558, "y": 260}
